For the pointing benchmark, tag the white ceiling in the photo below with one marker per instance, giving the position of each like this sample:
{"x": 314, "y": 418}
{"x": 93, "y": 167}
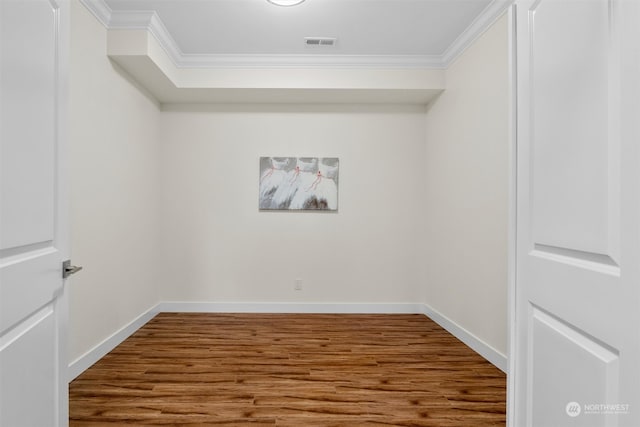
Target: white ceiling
{"x": 243, "y": 51}
{"x": 422, "y": 28}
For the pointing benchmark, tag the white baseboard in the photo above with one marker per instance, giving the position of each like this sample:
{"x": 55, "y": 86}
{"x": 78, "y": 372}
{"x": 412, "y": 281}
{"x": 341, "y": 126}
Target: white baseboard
{"x": 492, "y": 355}
{"x": 85, "y": 361}
{"x": 82, "y": 363}
{"x": 287, "y": 307}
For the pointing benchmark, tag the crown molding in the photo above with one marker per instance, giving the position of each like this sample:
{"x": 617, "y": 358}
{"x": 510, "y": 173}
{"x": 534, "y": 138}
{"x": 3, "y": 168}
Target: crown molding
{"x": 489, "y": 15}
{"x": 150, "y": 21}
{"x": 100, "y": 9}
{"x": 133, "y": 20}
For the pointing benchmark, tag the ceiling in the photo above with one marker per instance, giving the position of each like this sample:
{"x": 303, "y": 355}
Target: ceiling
{"x": 226, "y": 51}
{"x": 361, "y": 27}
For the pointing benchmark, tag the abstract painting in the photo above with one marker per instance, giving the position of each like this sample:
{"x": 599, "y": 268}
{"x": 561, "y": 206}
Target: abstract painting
{"x": 299, "y": 183}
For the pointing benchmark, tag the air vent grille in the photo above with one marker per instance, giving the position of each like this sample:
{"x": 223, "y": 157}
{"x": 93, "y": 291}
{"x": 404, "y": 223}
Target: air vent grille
{"x": 320, "y": 41}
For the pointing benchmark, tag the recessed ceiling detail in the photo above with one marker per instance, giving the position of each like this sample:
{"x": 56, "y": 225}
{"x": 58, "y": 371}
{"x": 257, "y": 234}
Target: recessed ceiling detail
{"x": 247, "y": 51}
{"x": 137, "y": 52}
{"x": 250, "y": 33}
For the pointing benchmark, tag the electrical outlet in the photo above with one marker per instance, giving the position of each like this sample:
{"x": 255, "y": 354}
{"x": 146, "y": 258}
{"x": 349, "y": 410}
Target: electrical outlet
{"x": 297, "y": 285}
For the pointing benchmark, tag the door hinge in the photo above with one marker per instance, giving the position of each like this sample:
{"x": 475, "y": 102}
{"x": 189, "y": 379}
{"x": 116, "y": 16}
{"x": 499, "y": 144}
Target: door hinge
{"x": 68, "y": 269}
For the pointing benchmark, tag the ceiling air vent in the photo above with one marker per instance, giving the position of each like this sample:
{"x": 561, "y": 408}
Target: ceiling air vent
{"x": 320, "y": 41}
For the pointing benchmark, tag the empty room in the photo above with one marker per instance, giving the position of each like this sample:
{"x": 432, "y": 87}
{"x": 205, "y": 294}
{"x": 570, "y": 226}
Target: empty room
{"x": 320, "y": 212}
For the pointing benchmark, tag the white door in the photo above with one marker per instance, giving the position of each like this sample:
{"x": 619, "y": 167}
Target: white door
{"x": 33, "y": 240}
{"x": 577, "y": 334}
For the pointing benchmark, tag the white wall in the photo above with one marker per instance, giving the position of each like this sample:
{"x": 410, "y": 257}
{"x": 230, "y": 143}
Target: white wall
{"x": 114, "y": 178}
{"x": 466, "y": 188}
{"x": 219, "y": 247}
{"x": 165, "y": 203}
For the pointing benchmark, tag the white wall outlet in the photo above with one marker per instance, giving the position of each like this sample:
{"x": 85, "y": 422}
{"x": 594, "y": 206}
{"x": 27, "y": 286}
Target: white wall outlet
{"x": 297, "y": 285}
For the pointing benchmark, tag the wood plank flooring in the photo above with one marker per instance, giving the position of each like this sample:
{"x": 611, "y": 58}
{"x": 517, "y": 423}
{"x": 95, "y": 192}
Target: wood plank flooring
{"x": 297, "y": 370}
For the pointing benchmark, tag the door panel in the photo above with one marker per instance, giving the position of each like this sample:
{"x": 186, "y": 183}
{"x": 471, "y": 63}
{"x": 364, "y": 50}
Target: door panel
{"x": 29, "y": 93}
{"x": 27, "y": 350}
{"x": 29, "y": 281}
{"x": 559, "y": 375}
{"x": 569, "y": 125}
{"x": 578, "y": 193}
{"x": 33, "y": 218}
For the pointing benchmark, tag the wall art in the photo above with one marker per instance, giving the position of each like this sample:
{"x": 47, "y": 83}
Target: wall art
{"x": 299, "y": 183}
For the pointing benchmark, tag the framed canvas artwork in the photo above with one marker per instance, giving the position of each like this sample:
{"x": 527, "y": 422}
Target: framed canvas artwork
{"x": 299, "y": 183}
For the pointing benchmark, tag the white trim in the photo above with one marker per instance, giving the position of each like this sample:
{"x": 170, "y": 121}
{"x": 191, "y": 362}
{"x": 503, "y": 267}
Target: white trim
{"x": 131, "y": 19}
{"x": 85, "y": 361}
{"x": 492, "y": 355}
{"x": 100, "y": 9}
{"x": 150, "y": 21}
{"x": 512, "y": 225}
{"x": 310, "y": 61}
{"x": 483, "y": 22}
{"x": 165, "y": 40}
{"x": 286, "y": 307}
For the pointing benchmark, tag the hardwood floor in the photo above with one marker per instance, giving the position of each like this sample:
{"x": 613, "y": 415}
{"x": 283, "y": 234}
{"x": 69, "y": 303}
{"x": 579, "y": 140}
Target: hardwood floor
{"x": 297, "y": 370}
